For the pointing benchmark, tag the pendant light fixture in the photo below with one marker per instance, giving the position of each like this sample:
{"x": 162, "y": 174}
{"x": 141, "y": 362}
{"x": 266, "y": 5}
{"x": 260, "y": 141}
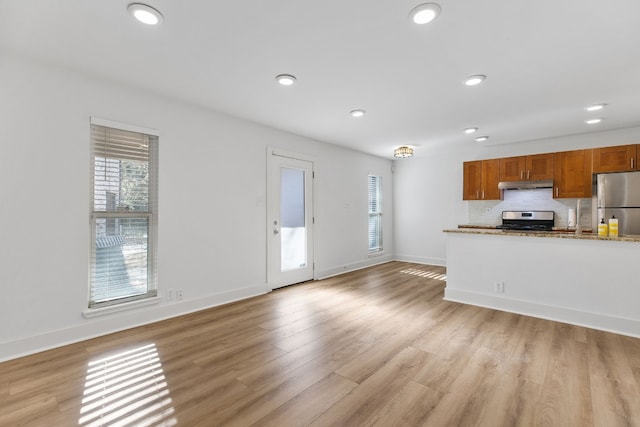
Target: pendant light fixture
{"x": 403, "y": 152}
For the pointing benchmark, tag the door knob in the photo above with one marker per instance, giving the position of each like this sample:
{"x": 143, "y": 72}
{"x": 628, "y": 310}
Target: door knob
{"x": 275, "y": 232}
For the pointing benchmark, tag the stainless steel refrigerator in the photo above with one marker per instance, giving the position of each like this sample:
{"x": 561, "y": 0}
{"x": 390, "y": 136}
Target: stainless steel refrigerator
{"x": 619, "y": 194}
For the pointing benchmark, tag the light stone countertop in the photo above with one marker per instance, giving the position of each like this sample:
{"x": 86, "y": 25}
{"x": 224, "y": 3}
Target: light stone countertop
{"x": 547, "y": 234}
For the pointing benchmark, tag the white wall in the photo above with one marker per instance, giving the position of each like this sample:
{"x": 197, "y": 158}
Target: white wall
{"x": 212, "y": 213}
{"x": 428, "y": 199}
{"x": 428, "y": 189}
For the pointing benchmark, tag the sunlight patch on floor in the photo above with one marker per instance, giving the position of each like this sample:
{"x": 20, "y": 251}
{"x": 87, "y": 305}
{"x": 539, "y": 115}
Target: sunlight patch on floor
{"x": 126, "y": 389}
{"x": 427, "y": 274}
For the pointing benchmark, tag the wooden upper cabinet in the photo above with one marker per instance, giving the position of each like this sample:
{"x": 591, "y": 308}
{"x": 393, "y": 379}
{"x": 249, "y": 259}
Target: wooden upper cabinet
{"x": 620, "y": 158}
{"x": 572, "y": 174}
{"x": 480, "y": 180}
{"x": 490, "y": 179}
{"x": 472, "y": 180}
{"x": 512, "y": 168}
{"x": 524, "y": 168}
{"x": 539, "y": 166}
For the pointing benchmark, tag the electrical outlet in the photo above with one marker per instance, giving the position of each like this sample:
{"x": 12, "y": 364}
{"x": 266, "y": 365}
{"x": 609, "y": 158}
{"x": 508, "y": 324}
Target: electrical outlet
{"x": 498, "y": 287}
{"x": 179, "y": 294}
{"x": 502, "y": 287}
{"x": 170, "y": 295}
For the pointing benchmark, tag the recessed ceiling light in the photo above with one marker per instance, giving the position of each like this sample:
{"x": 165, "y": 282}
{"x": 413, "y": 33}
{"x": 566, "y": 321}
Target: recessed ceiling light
{"x": 357, "y": 113}
{"x": 482, "y": 138}
{"x": 470, "y": 130}
{"x": 596, "y": 107}
{"x": 424, "y": 13}
{"x": 593, "y": 121}
{"x": 286, "y": 79}
{"x": 474, "y": 80}
{"x": 145, "y": 13}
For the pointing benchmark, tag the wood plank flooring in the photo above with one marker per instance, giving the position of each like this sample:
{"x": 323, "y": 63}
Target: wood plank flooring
{"x": 376, "y": 347}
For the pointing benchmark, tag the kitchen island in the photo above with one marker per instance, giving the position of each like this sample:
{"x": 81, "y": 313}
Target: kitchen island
{"x": 580, "y": 279}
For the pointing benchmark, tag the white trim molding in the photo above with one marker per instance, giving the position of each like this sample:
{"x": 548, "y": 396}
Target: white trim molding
{"x": 123, "y": 126}
{"x": 347, "y": 268}
{"x": 440, "y": 262}
{"x": 103, "y": 311}
{"x": 603, "y": 322}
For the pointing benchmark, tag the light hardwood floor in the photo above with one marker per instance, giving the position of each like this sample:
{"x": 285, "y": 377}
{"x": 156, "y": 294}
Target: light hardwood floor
{"x": 374, "y": 347}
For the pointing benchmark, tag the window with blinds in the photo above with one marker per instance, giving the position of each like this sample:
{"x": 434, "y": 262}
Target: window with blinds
{"x": 124, "y": 178}
{"x": 375, "y": 213}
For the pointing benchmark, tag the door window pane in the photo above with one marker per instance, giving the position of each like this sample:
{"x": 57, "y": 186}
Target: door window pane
{"x": 293, "y": 233}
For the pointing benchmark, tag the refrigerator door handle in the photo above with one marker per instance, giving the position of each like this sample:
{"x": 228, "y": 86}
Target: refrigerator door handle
{"x": 600, "y": 191}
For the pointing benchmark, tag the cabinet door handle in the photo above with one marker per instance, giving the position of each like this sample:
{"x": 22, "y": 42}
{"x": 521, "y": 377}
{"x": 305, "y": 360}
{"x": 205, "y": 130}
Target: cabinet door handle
{"x": 556, "y": 191}
{"x": 521, "y": 174}
{"x": 477, "y": 194}
{"x": 482, "y": 194}
{"x": 632, "y": 162}
{"x": 528, "y": 174}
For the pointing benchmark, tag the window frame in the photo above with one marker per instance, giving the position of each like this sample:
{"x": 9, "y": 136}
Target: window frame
{"x": 378, "y": 213}
{"x": 150, "y": 215}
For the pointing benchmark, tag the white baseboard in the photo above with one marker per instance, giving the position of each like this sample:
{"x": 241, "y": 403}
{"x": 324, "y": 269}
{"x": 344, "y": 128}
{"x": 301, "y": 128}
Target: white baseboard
{"x": 591, "y": 320}
{"x": 95, "y": 327}
{"x": 441, "y": 262}
{"x": 335, "y": 271}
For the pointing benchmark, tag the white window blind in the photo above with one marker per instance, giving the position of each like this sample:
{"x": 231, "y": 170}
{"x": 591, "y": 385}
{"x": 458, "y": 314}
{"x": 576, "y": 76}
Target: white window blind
{"x": 124, "y": 188}
{"x": 375, "y": 213}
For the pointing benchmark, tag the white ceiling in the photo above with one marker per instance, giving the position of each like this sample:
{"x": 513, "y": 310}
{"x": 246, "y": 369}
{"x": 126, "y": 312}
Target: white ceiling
{"x": 546, "y": 60}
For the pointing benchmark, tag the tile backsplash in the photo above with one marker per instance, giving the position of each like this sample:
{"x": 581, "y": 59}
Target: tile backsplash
{"x": 490, "y": 211}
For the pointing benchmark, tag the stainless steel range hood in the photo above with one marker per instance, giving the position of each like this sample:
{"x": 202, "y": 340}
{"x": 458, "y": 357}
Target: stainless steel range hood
{"x": 525, "y": 185}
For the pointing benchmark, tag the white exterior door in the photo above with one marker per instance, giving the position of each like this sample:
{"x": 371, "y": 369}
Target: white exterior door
{"x": 289, "y": 220}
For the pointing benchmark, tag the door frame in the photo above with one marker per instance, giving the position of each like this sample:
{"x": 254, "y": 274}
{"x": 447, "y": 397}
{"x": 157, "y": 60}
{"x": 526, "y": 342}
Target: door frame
{"x": 271, "y": 152}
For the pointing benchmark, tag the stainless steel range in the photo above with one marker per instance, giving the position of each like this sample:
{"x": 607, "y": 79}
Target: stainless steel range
{"x": 527, "y": 220}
